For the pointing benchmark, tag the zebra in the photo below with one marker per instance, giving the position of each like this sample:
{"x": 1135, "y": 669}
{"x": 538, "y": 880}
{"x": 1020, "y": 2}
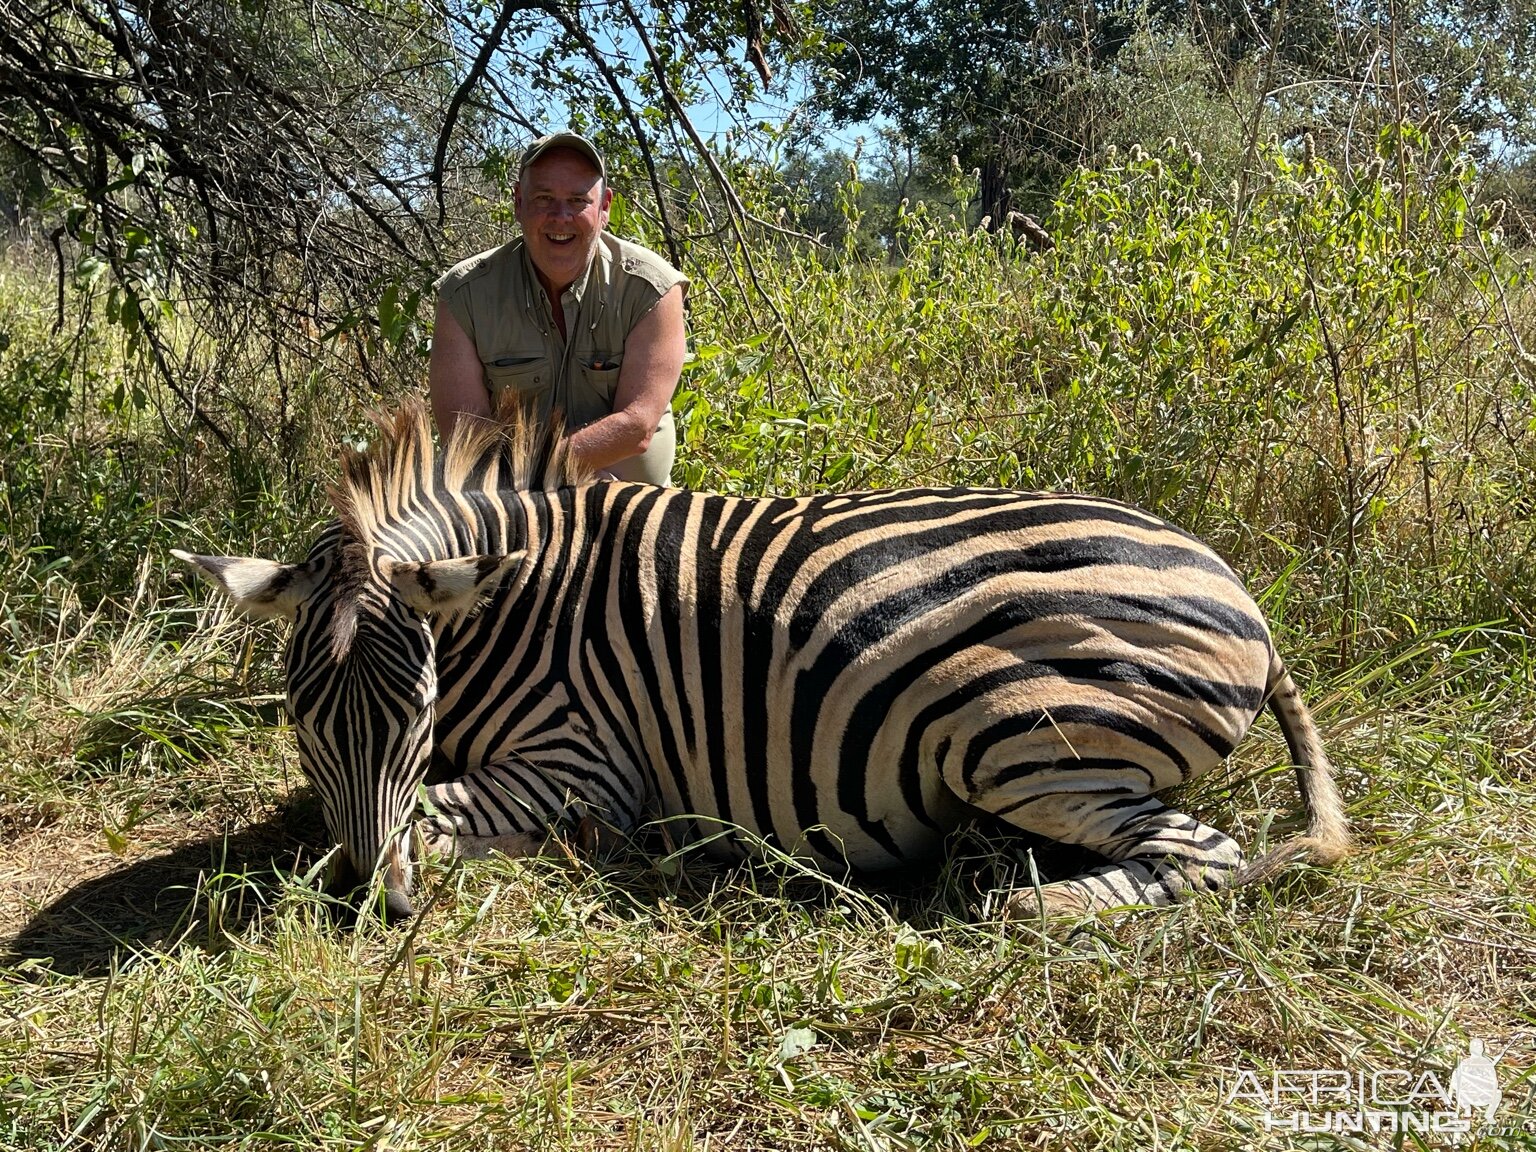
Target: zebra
{"x": 846, "y": 678}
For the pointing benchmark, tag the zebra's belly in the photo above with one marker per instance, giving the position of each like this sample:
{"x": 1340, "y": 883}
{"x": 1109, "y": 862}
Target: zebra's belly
{"x": 874, "y": 768}
{"x": 886, "y": 831}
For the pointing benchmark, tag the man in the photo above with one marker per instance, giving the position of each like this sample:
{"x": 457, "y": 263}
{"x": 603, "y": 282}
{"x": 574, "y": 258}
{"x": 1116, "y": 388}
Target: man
{"x": 569, "y": 317}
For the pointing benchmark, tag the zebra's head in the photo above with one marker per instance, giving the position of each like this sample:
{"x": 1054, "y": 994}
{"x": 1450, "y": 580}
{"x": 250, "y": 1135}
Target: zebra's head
{"x": 361, "y": 684}
{"x": 418, "y": 537}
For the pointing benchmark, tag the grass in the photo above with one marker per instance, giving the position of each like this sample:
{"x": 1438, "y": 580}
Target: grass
{"x": 173, "y": 982}
{"x": 169, "y": 978}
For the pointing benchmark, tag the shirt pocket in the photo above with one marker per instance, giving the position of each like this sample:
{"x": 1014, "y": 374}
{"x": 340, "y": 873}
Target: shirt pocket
{"x": 601, "y": 376}
{"x": 526, "y": 374}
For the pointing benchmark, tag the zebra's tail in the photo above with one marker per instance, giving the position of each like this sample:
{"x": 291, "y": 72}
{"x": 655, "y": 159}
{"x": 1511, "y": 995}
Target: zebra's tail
{"x": 1326, "y": 840}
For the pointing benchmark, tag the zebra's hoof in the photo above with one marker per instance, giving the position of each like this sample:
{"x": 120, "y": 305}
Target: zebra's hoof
{"x": 432, "y": 840}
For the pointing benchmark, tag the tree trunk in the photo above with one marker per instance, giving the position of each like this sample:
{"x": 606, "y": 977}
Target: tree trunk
{"x": 996, "y": 196}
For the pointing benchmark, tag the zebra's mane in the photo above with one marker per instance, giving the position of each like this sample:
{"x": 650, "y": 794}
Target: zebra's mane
{"x": 401, "y": 478}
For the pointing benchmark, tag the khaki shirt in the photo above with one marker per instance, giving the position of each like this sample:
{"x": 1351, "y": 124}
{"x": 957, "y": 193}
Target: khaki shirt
{"x": 497, "y": 299}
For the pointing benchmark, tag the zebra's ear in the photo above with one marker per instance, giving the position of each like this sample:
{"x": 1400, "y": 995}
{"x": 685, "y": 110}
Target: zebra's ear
{"x": 260, "y": 588}
{"x": 453, "y": 586}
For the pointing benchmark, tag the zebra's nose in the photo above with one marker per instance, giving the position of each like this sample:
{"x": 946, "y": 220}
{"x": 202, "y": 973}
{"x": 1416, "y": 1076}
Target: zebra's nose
{"x": 397, "y": 906}
{"x": 390, "y": 901}
{"x": 393, "y": 906}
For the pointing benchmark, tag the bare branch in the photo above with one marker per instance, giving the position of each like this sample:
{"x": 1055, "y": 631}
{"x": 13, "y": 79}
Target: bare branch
{"x": 488, "y": 49}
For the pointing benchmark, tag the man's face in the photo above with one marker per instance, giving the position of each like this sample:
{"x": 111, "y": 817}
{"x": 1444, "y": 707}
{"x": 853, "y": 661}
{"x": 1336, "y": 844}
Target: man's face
{"x": 562, "y": 204}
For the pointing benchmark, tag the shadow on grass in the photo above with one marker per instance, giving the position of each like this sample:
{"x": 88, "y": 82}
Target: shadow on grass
{"x": 197, "y": 894}
{"x": 193, "y": 893}
{"x": 978, "y": 861}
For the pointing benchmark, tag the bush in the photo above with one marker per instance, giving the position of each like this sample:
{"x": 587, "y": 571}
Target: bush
{"x": 1324, "y": 368}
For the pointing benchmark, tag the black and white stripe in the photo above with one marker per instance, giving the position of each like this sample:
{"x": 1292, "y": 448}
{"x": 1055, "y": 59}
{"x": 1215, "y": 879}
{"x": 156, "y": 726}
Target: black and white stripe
{"x": 847, "y": 677}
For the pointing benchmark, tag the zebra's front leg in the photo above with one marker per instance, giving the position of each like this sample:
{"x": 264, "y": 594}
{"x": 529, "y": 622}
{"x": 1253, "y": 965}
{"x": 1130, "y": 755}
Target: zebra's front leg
{"x": 1157, "y": 856}
{"x": 516, "y": 807}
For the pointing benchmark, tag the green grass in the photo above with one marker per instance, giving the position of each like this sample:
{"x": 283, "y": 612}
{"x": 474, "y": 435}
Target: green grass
{"x": 170, "y": 978}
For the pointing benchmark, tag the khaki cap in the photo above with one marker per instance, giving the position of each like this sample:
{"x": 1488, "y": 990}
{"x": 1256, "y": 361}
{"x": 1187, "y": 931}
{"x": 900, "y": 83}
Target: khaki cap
{"x": 569, "y": 140}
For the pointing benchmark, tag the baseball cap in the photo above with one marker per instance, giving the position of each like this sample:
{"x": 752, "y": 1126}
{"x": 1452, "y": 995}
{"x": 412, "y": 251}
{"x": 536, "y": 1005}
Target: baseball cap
{"x": 569, "y": 140}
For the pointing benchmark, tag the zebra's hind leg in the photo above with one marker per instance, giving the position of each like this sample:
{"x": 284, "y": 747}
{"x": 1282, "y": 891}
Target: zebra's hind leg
{"x": 1156, "y": 855}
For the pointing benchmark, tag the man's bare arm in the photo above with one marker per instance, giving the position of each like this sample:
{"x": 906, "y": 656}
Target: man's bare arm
{"x": 455, "y": 376}
{"x": 653, "y": 361}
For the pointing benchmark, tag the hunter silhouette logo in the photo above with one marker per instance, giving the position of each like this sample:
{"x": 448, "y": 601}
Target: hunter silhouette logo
{"x": 1475, "y": 1083}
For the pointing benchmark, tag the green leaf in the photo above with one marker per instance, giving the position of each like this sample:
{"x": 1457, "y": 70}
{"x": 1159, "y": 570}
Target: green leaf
{"x": 838, "y": 469}
{"x": 90, "y": 269}
{"x": 391, "y": 321}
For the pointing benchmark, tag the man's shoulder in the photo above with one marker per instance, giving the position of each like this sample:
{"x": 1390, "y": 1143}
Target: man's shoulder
{"x": 499, "y": 260}
{"x": 641, "y": 263}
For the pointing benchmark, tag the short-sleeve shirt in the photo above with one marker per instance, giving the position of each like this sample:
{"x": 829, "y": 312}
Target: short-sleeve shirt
{"x": 497, "y": 299}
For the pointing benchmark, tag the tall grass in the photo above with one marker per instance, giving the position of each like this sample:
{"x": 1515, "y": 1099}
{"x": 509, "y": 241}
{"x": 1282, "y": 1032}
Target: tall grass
{"x": 1328, "y": 379}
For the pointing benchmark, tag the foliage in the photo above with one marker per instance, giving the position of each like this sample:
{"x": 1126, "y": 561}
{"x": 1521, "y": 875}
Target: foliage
{"x": 1333, "y": 344}
{"x": 983, "y": 81}
{"x": 1024, "y": 92}
{"x": 1468, "y": 64}
{"x": 1314, "y": 354}
{"x": 832, "y": 195}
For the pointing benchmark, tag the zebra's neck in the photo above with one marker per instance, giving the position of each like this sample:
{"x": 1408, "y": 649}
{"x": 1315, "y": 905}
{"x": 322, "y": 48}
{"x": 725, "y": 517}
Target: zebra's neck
{"x": 450, "y": 525}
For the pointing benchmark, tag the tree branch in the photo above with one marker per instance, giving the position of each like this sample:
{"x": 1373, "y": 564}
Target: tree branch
{"x": 488, "y": 48}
